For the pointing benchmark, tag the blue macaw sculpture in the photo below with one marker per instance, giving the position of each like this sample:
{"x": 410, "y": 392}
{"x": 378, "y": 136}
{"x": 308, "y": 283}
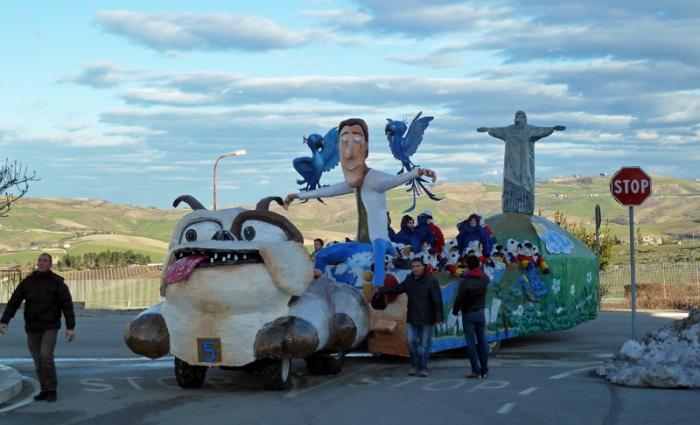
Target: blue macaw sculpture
{"x": 325, "y": 155}
{"x": 404, "y": 147}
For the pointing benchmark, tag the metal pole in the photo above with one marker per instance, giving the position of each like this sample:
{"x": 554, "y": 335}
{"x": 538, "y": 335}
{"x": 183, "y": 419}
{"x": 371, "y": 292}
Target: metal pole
{"x": 597, "y": 249}
{"x": 597, "y": 254}
{"x": 633, "y": 277}
{"x": 241, "y": 152}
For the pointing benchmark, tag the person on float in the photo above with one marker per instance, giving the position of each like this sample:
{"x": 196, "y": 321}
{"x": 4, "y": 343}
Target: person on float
{"x": 407, "y": 235}
{"x": 423, "y": 231}
{"x": 470, "y": 230}
{"x": 439, "y": 244}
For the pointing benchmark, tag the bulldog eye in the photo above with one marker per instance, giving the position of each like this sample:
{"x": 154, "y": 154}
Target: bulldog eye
{"x": 249, "y": 233}
{"x": 204, "y": 230}
{"x": 262, "y": 231}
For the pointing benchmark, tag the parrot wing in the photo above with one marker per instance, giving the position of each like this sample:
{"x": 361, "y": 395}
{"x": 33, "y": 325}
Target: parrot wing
{"x": 414, "y": 136}
{"x": 331, "y": 151}
{"x": 305, "y": 167}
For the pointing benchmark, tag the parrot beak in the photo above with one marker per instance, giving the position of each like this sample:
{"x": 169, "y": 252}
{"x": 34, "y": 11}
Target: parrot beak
{"x": 319, "y": 144}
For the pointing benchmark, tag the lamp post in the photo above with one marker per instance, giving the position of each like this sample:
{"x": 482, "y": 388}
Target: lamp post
{"x": 237, "y": 153}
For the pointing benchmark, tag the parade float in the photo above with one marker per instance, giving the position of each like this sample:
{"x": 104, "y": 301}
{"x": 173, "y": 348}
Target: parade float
{"x": 242, "y": 293}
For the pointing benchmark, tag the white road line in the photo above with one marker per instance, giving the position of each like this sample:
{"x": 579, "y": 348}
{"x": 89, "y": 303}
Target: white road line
{"x": 506, "y": 408}
{"x": 18, "y": 360}
{"x": 26, "y": 400}
{"x": 294, "y": 392}
{"x": 572, "y": 372}
{"x": 528, "y": 391}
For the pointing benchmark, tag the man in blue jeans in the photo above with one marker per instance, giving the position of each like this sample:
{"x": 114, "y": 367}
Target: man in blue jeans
{"x": 471, "y": 301}
{"x": 424, "y": 310}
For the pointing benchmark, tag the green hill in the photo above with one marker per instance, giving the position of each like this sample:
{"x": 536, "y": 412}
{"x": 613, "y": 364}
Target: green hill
{"x": 77, "y": 226}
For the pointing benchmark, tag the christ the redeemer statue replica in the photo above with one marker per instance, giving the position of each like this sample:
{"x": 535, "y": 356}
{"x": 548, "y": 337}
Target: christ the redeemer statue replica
{"x": 519, "y": 162}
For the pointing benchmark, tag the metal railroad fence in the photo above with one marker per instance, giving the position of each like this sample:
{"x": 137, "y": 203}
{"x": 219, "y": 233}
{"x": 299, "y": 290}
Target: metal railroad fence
{"x": 126, "y": 293}
{"x": 616, "y": 278}
{"x": 9, "y": 279}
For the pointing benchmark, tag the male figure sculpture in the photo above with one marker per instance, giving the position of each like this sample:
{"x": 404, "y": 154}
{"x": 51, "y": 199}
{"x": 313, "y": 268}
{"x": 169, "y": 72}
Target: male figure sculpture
{"x": 519, "y": 162}
{"x": 369, "y": 187}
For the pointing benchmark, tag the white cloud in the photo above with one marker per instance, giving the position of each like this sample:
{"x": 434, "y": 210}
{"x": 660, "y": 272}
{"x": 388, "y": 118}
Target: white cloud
{"x": 74, "y": 126}
{"x": 172, "y": 32}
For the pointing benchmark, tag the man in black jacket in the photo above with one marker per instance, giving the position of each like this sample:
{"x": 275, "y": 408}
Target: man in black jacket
{"x": 46, "y": 296}
{"x": 424, "y": 310}
{"x": 471, "y": 300}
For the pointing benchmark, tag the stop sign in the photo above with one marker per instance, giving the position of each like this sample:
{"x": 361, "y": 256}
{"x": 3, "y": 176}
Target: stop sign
{"x": 630, "y": 186}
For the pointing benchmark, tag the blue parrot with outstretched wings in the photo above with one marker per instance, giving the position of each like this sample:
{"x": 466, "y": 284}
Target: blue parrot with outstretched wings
{"x": 404, "y": 147}
{"x": 325, "y": 155}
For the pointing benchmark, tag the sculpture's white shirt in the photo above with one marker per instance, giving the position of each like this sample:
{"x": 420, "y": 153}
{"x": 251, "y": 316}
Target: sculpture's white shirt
{"x": 374, "y": 188}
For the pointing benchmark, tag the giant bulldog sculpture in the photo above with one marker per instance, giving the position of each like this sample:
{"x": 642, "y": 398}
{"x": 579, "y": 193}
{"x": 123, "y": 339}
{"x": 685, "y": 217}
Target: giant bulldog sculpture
{"x": 240, "y": 293}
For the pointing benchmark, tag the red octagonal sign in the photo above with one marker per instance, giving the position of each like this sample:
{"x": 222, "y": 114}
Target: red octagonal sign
{"x": 630, "y": 186}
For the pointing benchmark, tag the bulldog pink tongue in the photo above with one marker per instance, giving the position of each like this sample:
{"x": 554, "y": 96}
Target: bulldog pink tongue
{"x": 182, "y": 268}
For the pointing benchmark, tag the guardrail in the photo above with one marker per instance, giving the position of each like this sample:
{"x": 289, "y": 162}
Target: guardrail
{"x": 615, "y": 279}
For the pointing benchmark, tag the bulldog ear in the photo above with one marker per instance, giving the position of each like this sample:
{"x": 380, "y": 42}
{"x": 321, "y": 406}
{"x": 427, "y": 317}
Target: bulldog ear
{"x": 289, "y": 266}
{"x": 189, "y": 200}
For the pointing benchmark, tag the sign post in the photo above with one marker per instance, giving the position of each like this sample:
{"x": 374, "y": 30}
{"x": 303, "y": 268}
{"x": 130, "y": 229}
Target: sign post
{"x": 631, "y": 186}
{"x": 597, "y": 247}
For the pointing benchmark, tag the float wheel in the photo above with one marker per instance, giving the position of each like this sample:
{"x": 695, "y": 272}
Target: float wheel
{"x": 189, "y": 376}
{"x": 276, "y": 373}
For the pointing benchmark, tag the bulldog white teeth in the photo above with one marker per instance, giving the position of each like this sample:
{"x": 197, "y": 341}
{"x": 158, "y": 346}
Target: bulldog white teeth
{"x": 211, "y": 260}
{"x": 215, "y": 255}
{"x": 235, "y": 258}
{"x": 228, "y": 255}
{"x": 244, "y": 257}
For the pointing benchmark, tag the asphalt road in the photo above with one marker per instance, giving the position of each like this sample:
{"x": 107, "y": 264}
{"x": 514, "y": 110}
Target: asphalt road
{"x": 539, "y": 379}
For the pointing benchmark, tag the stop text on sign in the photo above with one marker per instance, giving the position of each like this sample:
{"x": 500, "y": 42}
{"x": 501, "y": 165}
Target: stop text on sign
{"x": 630, "y": 186}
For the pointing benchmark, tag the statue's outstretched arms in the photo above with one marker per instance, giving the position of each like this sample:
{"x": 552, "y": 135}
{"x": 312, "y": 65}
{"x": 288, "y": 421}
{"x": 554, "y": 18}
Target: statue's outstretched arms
{"x": 337, "y": 189}
{"x": 537, "y": 133}
{"x": 381, "y": 181}
{"x": 497, "y": 132}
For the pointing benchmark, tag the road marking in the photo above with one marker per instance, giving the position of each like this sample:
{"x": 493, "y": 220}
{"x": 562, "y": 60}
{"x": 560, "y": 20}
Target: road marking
{"x": 506, "y": 408}
{"x": 294, "y": 392}
{"x": 16, "y": 360}
{"x": 490, "y": 385}
{"x": 456, "y": 384}
{"x": 26, "y": 400}
{"x": 408, "y": 381}
{"x": 528, "y": 391}
{"x": 572, "y": 372}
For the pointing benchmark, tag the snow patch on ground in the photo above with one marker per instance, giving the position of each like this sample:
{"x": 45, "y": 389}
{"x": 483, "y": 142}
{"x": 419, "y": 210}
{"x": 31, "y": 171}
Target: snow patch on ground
{"x": 668, "y": 357}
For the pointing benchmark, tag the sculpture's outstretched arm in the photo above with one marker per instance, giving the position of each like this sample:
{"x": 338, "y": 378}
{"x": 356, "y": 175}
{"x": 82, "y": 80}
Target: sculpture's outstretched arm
{"x": 497, "y": 132}
{"x": 537, "y": 133}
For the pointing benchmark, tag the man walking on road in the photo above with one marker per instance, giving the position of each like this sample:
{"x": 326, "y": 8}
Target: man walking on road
{"x": 471, "y": 300}
{"x": 46, "y": 296}
{"x": 424, "y": 310}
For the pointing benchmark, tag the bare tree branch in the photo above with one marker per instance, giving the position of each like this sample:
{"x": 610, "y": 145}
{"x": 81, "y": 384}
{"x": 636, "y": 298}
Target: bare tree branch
{"x": 13, "y": 176}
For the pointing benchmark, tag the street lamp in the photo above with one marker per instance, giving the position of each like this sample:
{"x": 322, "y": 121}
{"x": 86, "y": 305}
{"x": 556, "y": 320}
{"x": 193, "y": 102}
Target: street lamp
{"x": 237, "y": 153}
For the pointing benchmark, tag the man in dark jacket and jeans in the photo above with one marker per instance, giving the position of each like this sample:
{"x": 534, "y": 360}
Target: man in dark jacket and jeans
{"x": 46, "y": 296}
{"x": 471, "y": 300}
{"x": 424, "y": 310}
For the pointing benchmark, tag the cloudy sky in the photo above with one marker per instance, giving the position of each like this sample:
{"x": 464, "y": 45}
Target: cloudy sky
{"x": 132, "y": 101}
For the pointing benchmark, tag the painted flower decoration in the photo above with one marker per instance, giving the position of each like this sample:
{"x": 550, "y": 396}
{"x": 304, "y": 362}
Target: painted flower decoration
{"x": 589, "y": 277}
{"x": 519, "y": 311}
{"x": 556, "y": 285}
{"x": 573, "y": 289}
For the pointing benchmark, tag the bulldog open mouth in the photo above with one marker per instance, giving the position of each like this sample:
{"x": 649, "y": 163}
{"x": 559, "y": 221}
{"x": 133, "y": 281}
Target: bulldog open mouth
{"x": 188, "y": 259}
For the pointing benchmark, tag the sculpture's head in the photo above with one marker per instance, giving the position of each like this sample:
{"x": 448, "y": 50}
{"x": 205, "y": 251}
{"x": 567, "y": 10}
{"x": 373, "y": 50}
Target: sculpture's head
{"x": 520, "y": 118}
{"x": 354, "y": 148}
